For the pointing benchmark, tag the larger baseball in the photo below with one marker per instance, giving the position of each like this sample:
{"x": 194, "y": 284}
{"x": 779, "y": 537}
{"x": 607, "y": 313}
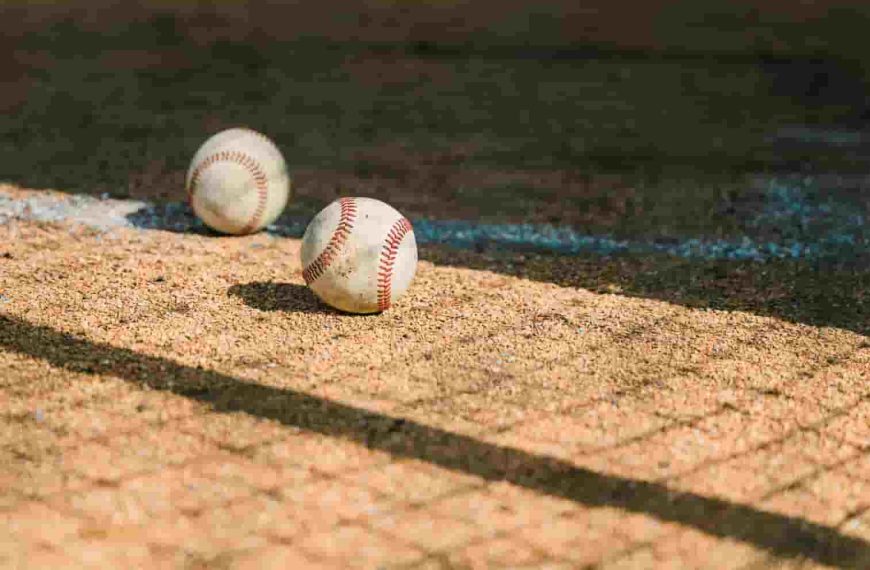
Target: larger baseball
{"x": 237, "y": 182}
{"x": 359, "y": 255}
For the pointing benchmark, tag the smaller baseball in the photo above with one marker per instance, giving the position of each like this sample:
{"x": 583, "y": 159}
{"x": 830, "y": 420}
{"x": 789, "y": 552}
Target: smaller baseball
{"x": 237, "y": 182}
{"x": 359, "y": 255}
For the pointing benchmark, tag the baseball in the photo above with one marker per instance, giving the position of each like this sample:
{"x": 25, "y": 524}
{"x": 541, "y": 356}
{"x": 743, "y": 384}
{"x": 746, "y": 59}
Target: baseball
{"x": 359, "y": 255}
{"x": 237, "y": 182}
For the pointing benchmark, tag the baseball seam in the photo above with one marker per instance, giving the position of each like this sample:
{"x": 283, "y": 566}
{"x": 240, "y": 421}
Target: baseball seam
{"x": 388, "y": 259}
{"x": 250, "y": 164}
{"x": 345, "y": 223}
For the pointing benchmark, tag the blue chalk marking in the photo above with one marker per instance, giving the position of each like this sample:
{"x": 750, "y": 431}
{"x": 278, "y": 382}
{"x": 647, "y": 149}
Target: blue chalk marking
{"x": 789, "y": 209}
{"x": 817, "y": 136}
{"x": 808, "y": 225}
{"x": 566, "y": 241}
{"x": 811, "y": 229}
{"x": 796, "y": 211}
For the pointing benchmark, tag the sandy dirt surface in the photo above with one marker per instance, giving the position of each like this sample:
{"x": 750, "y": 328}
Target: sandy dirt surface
{"x": 182, "y": 400}
{"x": 639, "y": 336}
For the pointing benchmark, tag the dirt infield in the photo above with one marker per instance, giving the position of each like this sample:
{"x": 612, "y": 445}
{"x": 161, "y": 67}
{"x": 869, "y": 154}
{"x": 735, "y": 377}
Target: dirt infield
{"x": 639, "y": 336}
{"x": 179, "y": 400}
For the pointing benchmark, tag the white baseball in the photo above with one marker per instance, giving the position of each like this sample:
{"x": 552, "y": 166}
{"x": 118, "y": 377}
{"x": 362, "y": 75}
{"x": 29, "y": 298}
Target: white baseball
{"x": 359, "y": 255}
{"x": 237, "y": 182}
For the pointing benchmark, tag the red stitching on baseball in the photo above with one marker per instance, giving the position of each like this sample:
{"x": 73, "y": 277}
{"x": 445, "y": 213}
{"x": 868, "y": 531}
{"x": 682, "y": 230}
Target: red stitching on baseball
{"x": 251, "y": 165}
{"x": 388, "y": 259}
{"x": 345, "y": 223}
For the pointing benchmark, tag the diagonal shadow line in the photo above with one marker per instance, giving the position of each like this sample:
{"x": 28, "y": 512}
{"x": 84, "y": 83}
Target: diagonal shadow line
{"x": 781, "y": 535}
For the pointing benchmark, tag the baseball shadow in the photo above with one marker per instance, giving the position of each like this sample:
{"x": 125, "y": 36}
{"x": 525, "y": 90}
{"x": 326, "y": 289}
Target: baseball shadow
{"x": 178, "y": 217}
{"x": 781, "y": 535}
{"x": 285, "y": 297}
{"x": 168, "y": 217}
{"x": 175, "y": 217}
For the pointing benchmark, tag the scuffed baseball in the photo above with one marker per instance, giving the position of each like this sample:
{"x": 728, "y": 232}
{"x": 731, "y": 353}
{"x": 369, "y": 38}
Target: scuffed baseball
{"x": 359, "y": 255}
{"x": 237, "y": 182}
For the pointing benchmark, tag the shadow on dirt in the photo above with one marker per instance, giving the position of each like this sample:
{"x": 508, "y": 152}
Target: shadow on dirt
{"x": 123, "y": 113}
{"x": 832, "y": 294}
{"x": 178, "y": 217}
{"x": 175, "y": 217}
{"x": 781, "y": 535}
{"x": 286, "y": 297}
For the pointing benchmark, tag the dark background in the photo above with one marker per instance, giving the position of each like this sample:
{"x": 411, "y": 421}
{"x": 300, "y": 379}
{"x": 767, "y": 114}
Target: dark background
{"x": 654, "y": 118}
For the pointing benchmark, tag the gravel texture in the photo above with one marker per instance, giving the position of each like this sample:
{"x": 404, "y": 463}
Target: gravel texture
{"x": 181, "y": 400}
